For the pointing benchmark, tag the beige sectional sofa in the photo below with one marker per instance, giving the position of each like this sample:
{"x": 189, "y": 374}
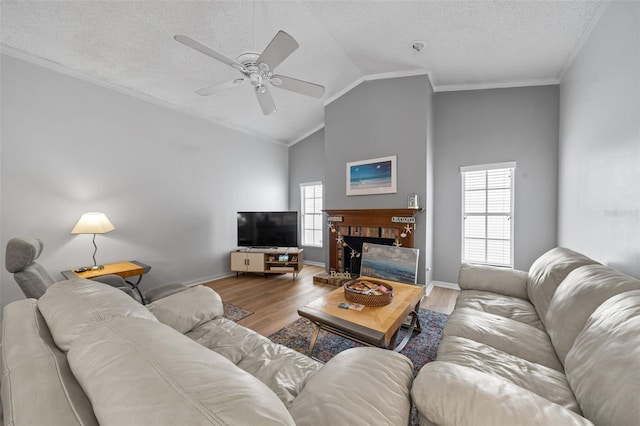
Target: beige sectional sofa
{"x": 559, "y": 345}
{"x": 86, "y": 353}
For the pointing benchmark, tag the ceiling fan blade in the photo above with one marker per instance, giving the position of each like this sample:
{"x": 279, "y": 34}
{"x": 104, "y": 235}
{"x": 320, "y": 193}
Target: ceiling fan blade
{"x": 278, "y": 50}
{"x": 298, "y": 86}
{"x": 219, "y": 87}
{"x": 266, "y": 101}
{"x": 194, "y": 44}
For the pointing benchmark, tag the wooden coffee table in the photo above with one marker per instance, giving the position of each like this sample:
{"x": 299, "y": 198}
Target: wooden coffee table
{"x": 373, "y": 326}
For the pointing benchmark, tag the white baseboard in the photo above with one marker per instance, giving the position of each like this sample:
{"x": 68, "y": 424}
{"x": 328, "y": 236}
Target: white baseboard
{"x": 428, "y": 288}
{"x": 230, "y": 274}
{"x": 443, "y": 284}
{"x": 208, "y": 279}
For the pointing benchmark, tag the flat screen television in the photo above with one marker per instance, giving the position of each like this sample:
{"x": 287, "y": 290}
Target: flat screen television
{"x": 268, "y": 229}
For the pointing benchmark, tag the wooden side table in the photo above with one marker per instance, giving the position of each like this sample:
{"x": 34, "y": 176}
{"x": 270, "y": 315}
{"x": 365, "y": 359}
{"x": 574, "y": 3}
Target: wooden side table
{"x": 124, "y": 269}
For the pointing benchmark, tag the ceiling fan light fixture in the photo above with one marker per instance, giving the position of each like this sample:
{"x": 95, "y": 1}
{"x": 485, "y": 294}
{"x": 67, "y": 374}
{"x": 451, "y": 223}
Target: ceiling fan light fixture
{"x": 255, "y": 79}
{"x": 260, "y": 89}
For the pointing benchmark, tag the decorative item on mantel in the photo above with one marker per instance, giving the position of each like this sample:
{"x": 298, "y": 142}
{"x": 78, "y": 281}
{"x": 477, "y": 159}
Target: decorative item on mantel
{"x": 413, "y": 202}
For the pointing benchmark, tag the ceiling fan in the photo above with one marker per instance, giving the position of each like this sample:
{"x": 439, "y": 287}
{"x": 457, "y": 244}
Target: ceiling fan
{"x": 258, "y": 70}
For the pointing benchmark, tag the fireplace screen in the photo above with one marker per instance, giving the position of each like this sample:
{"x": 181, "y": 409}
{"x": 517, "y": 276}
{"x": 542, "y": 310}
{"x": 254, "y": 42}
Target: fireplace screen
{"x": 390, "y": 263}
{"x": 353, "y": 249}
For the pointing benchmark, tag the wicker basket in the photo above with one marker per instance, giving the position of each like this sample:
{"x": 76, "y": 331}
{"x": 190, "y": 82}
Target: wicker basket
{"x": 364, "y": 297}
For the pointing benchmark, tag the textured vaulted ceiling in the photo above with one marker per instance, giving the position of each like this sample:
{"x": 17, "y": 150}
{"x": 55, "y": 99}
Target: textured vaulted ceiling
{"x": 129, "y": 45}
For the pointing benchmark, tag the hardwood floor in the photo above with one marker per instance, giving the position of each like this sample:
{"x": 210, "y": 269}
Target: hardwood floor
{"x": 274, "y": 300}
{"x": 440, "y": 300}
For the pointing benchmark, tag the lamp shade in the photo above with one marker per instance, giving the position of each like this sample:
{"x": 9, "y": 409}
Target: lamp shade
{"x": 93, "y": 223}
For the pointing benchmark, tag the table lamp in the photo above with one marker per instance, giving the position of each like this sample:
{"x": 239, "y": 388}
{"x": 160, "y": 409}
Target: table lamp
{"x": 93, "y": 223}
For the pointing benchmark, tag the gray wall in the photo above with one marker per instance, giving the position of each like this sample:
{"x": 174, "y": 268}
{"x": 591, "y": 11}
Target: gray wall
{"x": 306, "y": 164}
{"x": 377, "y": 119}
{"x": 599, "y": 209}
{"x": 491, "y": 126}
{"x": 171, "y": 184}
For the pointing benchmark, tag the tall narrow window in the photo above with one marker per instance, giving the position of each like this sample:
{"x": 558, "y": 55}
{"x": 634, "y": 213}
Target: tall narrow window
{"x": 487, "y": 214}
{"x": 311, "y": 214}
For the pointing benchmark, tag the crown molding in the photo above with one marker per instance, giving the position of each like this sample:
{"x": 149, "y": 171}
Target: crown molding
{"x": 503, "y": 85}
{"x": 381, "y": 76}
{"x": 45, "y": 63}
{"x": 307, "y": 134}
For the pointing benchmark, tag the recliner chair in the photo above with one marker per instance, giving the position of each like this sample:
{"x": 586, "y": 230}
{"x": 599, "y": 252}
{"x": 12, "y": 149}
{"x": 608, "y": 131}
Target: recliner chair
{"x": 20, "y": 258}
{"x": 34, "y": 279}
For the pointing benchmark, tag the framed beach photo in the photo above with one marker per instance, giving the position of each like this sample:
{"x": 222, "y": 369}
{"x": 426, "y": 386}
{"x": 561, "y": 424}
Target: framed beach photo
{"x": 375, "y": 176}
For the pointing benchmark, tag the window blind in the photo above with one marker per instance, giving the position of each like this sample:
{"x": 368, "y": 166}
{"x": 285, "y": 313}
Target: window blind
{"x": 487, "y": 217}
{"x": 311, "y": 214}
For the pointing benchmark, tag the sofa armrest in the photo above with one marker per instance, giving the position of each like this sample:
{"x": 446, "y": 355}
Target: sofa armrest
{"x": 481, "y": 399}
{"x": 357, "y": 386}
{"x": 187, "y": 309}
{"x": 508, "y": 282}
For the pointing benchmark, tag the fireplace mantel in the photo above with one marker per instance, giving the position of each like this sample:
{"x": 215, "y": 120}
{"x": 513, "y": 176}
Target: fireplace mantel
{"x": 381, "y": 223}
{"x": 370, "y": 217}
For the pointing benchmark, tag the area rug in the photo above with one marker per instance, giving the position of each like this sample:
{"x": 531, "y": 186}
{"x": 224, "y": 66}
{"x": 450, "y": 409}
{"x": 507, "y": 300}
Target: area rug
{"x": 235, "y": 313}
{"x": 421, "y": 348}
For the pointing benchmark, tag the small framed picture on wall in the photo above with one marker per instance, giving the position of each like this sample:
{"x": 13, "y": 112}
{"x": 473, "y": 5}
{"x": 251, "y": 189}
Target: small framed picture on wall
{"x": 374, "y": 176}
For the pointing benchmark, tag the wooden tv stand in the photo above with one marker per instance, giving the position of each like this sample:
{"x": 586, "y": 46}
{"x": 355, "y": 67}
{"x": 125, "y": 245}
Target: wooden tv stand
{"x": 267, "y": 260}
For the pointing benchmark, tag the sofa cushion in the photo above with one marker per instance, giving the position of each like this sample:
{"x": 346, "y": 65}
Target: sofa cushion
{"x": 603, "y": 365}
{"x": 70, "y": 306}
{"x": 450, "y": 394}
{"x": 164, "y": 290}
{"x": 189, "y": 308}
{"x": 283, "y": 370}
{"x": 37, "y": 385}
{"x": 510, "y": 282}
{"x": 513, "y": 337}
{"x": 139, "y": 372}
{"x": 381, "y": 380}
{"x": 546, "y": 382}
{"x": 227, "y": 338}
{"x": 510, "y": 307}
{"x": 546, "y": 274}
{"x": 583, "y": 290}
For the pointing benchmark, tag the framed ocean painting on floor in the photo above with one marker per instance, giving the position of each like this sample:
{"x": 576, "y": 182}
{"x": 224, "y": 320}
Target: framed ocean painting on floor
{"x": 390, "y": 263}
{"x": 375, "y": 176}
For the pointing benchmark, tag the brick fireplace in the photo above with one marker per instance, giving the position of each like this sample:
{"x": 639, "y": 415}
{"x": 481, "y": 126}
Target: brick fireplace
{"x": 395, "y": 226}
